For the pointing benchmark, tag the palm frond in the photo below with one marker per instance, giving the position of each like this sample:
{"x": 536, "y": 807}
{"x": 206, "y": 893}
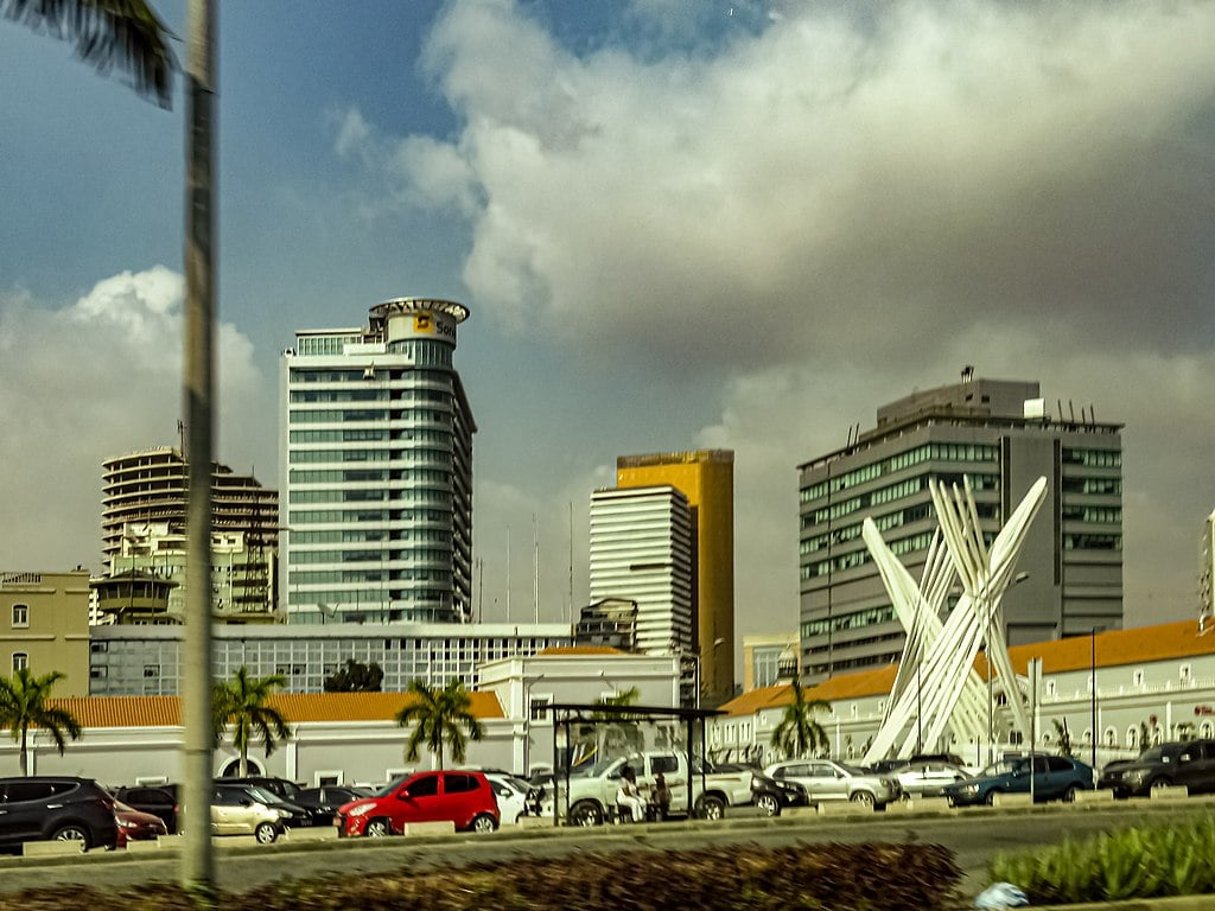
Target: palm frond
{"x": 123, "y": 35}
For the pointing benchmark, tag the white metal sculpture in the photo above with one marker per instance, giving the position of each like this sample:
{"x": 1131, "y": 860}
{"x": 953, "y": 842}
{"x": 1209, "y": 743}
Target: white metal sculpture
{"x": 936, "y": 687}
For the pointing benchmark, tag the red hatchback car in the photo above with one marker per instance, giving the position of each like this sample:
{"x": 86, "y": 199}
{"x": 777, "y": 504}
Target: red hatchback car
{"x": 464, "y": 798}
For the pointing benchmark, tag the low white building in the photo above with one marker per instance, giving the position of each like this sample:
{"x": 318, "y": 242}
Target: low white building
{"x": 1157, "y": 681}
{"x": 577, "y": 674}
{"x": 350, "y": 738}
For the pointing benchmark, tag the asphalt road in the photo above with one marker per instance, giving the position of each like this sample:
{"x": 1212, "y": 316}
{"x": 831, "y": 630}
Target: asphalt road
{"x": 974, "y": 837}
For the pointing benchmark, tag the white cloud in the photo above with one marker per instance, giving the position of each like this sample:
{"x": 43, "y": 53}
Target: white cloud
{"x": 96, "y": 379}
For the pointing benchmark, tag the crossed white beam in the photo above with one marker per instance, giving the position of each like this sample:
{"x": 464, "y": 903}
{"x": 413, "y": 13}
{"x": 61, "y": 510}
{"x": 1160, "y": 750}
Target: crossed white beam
{"x": 936, "y": 680}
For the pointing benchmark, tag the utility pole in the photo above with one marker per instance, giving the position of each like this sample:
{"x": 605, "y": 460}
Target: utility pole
{"x": 1093, "y": 663}
{"x": 197, "y": 857}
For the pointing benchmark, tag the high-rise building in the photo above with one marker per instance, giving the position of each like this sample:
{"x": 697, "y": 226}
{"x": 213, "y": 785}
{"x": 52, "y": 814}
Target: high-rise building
{"x": 150, "y": 486}
{"x": 376, "y": 460}
{"x": 610, "y": 623}
{"x": 641, "y": 550}
{"x": 706, "y": 478}
{"x": 998, "y": 435}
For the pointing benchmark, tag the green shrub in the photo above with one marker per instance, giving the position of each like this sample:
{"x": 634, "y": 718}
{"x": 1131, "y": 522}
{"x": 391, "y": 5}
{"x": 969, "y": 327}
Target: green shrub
{"x": 806, "y": 877}
{"x": 1154, "y": 861}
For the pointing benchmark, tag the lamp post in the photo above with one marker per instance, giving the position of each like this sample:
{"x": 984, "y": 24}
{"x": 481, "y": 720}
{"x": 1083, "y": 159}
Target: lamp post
{"x": 527, "y": 725}
{"x": 1093, "y": 672}
{"x": 717, "y": 643}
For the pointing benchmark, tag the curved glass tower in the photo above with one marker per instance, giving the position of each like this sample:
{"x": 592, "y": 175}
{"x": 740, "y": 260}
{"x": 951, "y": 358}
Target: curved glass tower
{"x": 376, "y": 453}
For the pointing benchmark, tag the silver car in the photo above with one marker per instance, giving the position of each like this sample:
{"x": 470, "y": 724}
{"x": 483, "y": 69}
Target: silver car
{"x": 825, "y": 779}
{"x": 927, "y": 779}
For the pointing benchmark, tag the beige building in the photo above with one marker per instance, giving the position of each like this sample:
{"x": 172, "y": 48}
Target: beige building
{"x": 767, "y": 660}
{"x": 44, "y": 626}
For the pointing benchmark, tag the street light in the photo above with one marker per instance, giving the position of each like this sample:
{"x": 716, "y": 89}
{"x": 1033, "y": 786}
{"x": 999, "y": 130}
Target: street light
{"x": 717, "y": 643}
{"x": 527, "y": 724}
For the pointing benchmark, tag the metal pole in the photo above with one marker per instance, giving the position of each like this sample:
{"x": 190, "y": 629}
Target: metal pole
{"x": 919, "y": 708}
{"x": 556, "y": 793}
{"x": 197, "y": 860}
{"x": 991, "y": 699}
{"x": 689, "y": 761}
{"x": 1093, "y": 664}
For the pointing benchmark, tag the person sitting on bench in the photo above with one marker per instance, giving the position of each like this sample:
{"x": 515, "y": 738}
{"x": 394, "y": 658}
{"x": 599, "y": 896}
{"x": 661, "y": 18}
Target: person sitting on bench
{"x": 628, "y": 796}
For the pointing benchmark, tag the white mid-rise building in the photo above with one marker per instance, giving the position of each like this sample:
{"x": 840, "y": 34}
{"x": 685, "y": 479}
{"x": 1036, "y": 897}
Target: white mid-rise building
{"x": 641, "y": 545}
{"x": 376, "y": 463}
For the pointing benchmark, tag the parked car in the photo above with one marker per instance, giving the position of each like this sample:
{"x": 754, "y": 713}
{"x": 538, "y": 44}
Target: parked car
{"x": 323, "y": 802}
{"x": 292, "y": 814}
{"x": 158, "y": 801}
{"x": 134, "y": 825}
{"x": 927, "y": 778}
{"x": 825, "y": 779}
{"x": 773, "y": 796}
{"x": 464, "y": 798}
{"x": 235, "y": 811}
{"x": 1054, "y": 778}
{"x": 56, "y": 808}
{"x": 511, "y": 794}
{"x": 280, "y": 787}
{"x": 1190, "y": 764}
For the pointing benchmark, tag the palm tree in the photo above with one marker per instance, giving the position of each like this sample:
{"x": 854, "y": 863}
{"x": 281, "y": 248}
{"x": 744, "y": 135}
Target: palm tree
{"x": 243, "y": 702}
{"x": 440, "y": 718}
{"x": 25, "y": 702}
{"x": 1063, "y": 735}
{"x": 622, "y": 731}
{"x": 798, "y": 734}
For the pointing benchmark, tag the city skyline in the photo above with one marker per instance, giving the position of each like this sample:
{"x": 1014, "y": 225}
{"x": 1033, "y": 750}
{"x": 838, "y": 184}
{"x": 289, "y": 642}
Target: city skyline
{"x": 736, "y": 226}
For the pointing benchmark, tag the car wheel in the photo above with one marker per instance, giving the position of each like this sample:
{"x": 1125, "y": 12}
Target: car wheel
{"x": 73, "y": 833}
{"x": 586, "y": 813}
{"x": 864, "y": 798}
{"x": 711, "y": 807}
{"x": 1159, "y": 783}
{"x": 1069, "y": 796}
{"x": 990, "y": 799}
{"x": 484, "y": 823}
{"x": 377, "y": 828}
{"x": 768, "y": 805}
{"x": 265, "y": 833}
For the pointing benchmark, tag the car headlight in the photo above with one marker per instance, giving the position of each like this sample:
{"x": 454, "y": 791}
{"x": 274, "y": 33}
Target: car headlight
{"x": 125, "y": 824}
{"x": 969, "y": 789}
{"x": 361, "y": 810}
{"x": 282, "y": 814}
{"x": 1135, "y": 775}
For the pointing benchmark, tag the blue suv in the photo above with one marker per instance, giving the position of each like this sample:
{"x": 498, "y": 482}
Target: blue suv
{"x": 1054, "y": 778}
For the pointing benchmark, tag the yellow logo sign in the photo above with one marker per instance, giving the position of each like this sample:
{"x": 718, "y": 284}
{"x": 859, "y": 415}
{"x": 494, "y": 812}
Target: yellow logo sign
{"x": 423, "y": 322}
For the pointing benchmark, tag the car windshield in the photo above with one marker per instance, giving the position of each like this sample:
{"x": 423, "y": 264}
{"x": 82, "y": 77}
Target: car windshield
{"x": 269, "y": 798}
{"x": 595, "y": 771}
{"x": 854, "y": 770}
{"x": 1003, "y": 767}
{"x": 390, "y": 788}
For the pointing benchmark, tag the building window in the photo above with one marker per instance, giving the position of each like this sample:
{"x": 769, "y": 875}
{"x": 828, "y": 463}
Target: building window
{"x": 1050, "y": 687}
{"x": 1111, "y": 737}
{"x": 99, "y": 673}
{"x": 538, "y": 707}
{"x": 1185, "y": 673}
{"x": 21, "y": 616}
{"x": 1132, "y": 737}
{"x": 21, "y": 661}
{"x": 1137, "y": 677}
{"x": 151, "y": 670}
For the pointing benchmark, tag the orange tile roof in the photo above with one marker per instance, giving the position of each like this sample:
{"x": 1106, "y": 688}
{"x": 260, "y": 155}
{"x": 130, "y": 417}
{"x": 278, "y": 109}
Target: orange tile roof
{"x": 580, "y": 650}
{"x": 1115, "y": 648}
{"x": 165, "y": 711}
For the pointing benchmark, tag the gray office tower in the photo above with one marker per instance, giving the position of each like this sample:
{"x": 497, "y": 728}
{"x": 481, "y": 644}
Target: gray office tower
{"x": 1001, "y": 435}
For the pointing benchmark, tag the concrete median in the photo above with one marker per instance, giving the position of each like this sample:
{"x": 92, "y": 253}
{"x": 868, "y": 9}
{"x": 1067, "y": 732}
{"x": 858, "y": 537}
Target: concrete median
{"x": 1094, "y": 797}
{"x": 316, "y": 833}
{"x": 844, "y": 808}
{"x": 1170, "y": 793}
{"x": 445, "y": 827}
{"x": 1012, "y": 800}
{"x": 51, "y": 848}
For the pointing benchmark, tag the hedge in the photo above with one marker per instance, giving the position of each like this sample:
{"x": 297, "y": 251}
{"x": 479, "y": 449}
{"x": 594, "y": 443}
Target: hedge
{"x": 805, "y": 877}
{"x": 1156, "y": 861}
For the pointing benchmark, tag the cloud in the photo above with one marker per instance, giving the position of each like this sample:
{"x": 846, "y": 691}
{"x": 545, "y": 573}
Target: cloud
{"x": 818, "y": 212}
{"x": 95, "y": 379}
{"x": 828, "y": 186}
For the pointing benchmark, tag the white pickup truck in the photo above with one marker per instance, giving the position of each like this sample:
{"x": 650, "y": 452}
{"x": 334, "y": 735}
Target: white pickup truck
{"x": 592, "y": 792}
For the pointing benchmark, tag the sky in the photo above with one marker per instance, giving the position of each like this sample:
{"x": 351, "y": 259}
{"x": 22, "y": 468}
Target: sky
{"x": 677, "y": 225}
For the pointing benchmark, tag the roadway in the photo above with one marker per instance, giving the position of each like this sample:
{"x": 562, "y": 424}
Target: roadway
{"x": 974, "y": 836}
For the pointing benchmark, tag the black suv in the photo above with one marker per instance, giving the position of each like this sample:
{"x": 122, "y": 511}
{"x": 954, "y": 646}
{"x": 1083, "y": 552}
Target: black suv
{"x": 772, "y": 796}
{"x": 1191, "y": 765}
{"x": 60, "y": 808}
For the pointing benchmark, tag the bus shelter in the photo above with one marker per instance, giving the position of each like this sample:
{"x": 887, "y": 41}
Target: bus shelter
{"x": 678, "y": 729}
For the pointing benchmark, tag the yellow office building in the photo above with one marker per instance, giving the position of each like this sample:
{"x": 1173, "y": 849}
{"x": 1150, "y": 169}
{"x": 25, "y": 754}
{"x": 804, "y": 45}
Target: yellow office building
{"x": 706, "y": 478}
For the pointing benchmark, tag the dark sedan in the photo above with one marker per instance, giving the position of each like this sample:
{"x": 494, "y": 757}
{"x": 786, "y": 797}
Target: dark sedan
{"x": 1190, "y": 765}
{"x": 159, "y": 801}
{"x": 323, "y": 802}
{"x": 1054, "y": 778}
{"x": 772, "y": 796}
